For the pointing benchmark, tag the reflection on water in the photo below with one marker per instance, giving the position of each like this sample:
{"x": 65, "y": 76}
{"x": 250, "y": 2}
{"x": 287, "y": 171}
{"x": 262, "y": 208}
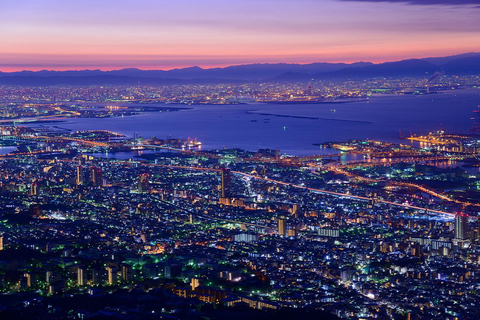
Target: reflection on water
{"x": 351, "y": 158}
{"x": 121, "y": 155}
{"x": 235, "y": 127}
{"x": 6, "y": 150}
{"x": 457, "y": 164}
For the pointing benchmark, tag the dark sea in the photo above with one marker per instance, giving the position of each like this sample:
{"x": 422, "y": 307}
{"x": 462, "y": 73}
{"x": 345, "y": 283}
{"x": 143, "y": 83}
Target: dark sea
{"x": 295, "y": 128}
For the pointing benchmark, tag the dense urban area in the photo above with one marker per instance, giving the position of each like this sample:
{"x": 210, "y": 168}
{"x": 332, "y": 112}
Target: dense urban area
{"x": 180, "y": 232}
{"x": 236, "y": 92}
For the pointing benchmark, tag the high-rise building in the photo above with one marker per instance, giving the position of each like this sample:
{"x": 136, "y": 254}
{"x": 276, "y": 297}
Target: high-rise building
{"x": 194, "y": 283}
{"x": 1, "y": 243}
{"x": 34, "y": 189}
{"x": 81, "y": 276}
{"x": 461, "y": 226}
{"x": 226, "y": 188}
{"x": 80, "y": 175}
{"x": 127, "y": 273}
{"x": 295, "y": 208}
{"x": 292, "y": 232}
{"x": 111, "y": 275}
{"x": 96, "y": 177}
{"x": 143, "y": 184}
{"x": 30, "y": 278}
{"x": 281, "y": 226}
{"x": 49, "y": 277}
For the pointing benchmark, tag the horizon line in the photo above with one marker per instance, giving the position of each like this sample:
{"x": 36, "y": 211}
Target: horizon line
{"x": 220, "y": 66}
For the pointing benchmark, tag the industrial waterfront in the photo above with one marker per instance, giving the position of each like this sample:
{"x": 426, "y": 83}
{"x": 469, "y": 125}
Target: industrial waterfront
{"x": 243, "y": 126}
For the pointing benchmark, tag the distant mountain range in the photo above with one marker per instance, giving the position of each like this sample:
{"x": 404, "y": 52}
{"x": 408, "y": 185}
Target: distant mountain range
{"x": 468, "y": 63}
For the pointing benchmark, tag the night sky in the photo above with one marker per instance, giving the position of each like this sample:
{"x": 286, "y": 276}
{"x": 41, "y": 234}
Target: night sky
{"x": 157, "y": 34}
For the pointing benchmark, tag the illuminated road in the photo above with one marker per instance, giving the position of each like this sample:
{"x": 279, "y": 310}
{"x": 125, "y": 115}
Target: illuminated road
{"x": 338, "y": 194}
{"x": 332, "y": 193}
{"x": 31, "y": 153}
{"x": 403, "y": 184}
{"x": 32, "y": 119}
{"x": 64, "y": 139}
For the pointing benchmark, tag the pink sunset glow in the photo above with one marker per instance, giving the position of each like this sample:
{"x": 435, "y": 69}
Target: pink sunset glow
{"x": 149, "y": 34}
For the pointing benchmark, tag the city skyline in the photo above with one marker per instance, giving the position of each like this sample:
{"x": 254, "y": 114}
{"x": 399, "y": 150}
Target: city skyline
{"x": 55, "y": 35}
{"x": 242, "y": 159}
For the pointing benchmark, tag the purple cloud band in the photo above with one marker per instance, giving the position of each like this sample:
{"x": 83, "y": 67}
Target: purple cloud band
{"x": 426, "y": 2}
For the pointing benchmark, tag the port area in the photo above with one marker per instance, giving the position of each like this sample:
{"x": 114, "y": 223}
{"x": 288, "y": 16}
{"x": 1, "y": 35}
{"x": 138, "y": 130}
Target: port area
{"x": 448, "y": 142}
{"x": 56, "y": 140}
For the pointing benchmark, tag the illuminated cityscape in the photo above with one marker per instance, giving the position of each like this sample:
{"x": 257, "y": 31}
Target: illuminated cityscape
{"x": 356, "y": 231}
{"x": 240, "y": 160}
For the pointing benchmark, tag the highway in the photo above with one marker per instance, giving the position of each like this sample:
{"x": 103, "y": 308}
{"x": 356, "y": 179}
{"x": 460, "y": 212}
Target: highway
{"x": 403, "y": 184}
{"x": 338, "y": 194}
{"x": 332, "y": 193}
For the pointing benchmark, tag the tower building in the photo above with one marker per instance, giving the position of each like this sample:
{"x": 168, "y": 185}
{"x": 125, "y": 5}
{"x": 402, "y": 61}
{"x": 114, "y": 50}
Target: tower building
{"x": 143, "y": 183}
{"x": 461, "y": 226}
{"x": 226, "y": 188}
{"x": 281, "y": 226}
{"x": 96, "y": 176}
{"x": 80, "y": 175}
